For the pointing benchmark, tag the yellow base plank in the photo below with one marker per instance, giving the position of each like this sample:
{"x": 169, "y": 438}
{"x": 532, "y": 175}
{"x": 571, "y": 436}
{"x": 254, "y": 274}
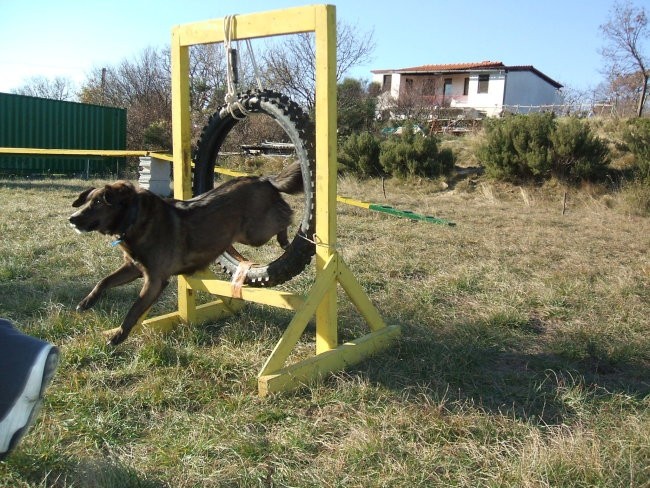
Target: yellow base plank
{"x": 337, "y": 359}
{"x": 204, "y": 313}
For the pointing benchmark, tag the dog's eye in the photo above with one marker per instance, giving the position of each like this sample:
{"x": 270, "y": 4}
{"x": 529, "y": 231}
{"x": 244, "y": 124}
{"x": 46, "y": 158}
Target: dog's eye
{"x": 97, "y": 201}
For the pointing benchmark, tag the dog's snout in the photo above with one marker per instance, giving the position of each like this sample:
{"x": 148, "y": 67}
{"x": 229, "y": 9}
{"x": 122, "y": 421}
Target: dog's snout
{"x": 78, "y": 223}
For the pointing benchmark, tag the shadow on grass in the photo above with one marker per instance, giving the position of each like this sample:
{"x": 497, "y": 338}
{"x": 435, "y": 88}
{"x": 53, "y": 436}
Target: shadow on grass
{"x": 44, "y": 184}
{"x": 25, "y": 298}
{"x": 82, "y": 473}
{"x": 485, "y": 366}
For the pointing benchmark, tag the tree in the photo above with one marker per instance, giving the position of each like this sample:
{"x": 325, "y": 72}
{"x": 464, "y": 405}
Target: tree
{"x": 624, "y": 54}
{"x": 356, "y": 106}
{"x": 290, "y": 64}
{"x": 58, "y": 88}
{"x": 414, "y": 103}
{"x": 143, "y": 86}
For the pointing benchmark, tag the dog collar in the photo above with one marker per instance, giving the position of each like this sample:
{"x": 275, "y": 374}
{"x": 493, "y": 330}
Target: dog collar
{"x": 131, "y": 217}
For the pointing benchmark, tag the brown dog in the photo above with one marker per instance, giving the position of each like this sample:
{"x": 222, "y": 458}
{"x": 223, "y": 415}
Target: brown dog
{"x": 165, "y": 237}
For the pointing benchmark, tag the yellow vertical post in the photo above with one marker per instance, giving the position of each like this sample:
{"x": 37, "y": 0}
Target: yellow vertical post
{"x": 182, "y": 159}
{"x": 326, "y": 314}
{"x": 276, "y": 375}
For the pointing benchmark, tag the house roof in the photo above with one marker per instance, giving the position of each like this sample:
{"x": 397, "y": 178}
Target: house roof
{"x": 463, "y": 67}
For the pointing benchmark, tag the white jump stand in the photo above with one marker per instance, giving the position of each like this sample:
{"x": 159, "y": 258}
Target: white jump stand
{"x": 155, "y": 175}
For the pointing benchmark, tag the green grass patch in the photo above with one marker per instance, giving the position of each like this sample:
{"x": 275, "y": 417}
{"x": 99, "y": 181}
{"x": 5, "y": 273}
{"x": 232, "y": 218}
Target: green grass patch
{"x": 523, "y": 359}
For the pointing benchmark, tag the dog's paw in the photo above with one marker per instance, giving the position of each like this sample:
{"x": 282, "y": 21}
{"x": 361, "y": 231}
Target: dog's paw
{"x": 114, "y": 336}
{"x": 86, "y": 303}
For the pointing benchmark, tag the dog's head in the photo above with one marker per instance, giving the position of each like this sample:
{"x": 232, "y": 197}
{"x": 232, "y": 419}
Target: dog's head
{"x": 106, "y": 210}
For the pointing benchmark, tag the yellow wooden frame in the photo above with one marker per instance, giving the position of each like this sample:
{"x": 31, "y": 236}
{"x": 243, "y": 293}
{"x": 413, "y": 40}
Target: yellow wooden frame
{"x": 330, "y": 267}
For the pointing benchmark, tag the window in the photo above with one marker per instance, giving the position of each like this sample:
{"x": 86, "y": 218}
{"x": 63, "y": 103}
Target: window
{"x": 466, "y": 87}
{"x": 483, "y": 83}
{"x": 409, "y": 85}
{"x": 429, "y": 87}
{"x": 386, "y": 83}
{"x": 447, "y": 88}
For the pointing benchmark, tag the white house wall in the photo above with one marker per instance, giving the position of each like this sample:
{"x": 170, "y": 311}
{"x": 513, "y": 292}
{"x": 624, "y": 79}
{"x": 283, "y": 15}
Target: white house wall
{"x": 395, "y": 85}
{"x": 489, "y": 102}
{"x": 527, "y": 89}
{"x": 388, "y": 98}
{"x": 513, "y": 88}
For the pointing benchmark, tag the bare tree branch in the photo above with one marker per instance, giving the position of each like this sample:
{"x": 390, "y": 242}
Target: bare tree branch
{"x": 290, "y": 65}
{"x": 53, "y": 88}
{"x": 624, "y": 52}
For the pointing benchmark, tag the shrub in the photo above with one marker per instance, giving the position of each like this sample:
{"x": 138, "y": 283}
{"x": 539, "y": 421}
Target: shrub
{"x": 517, "y": 146}
{"x": 411, "y": 154}
{"x": 158, "y": 135}
{"x": 637, "y": 137}
{"x": 577, "y": 153}
{"x": 538, "y": 146}
{"x": 359, "y": 153}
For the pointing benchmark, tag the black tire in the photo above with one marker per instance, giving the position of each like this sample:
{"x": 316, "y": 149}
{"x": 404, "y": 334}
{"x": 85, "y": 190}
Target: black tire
{"x": 300, "y": 130}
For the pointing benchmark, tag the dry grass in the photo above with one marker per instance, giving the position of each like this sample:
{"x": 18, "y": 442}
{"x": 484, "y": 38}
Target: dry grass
{"x": 524, "y": 358}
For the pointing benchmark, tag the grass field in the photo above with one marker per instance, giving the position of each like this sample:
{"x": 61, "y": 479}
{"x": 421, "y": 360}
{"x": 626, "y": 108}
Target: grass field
{"x": 524, "y": 359}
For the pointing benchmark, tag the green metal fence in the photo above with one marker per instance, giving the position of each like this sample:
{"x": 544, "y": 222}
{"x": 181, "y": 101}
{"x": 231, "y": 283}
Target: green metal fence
{"x": 32, "y": 122}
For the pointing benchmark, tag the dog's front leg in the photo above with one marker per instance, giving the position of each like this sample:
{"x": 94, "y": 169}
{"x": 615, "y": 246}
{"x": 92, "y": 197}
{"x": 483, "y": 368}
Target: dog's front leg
{"x": 283, "y": 239}
{"x": 151, "y": 290}
{"x": 125, "y": 274}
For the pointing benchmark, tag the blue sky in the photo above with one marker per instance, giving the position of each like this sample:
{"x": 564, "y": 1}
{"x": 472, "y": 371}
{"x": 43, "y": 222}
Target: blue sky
{"x": 71, "y": 37}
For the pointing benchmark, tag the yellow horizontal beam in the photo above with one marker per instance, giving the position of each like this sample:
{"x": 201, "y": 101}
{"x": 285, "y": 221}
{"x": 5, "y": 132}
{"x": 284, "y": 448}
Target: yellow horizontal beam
{"x": 27, "y": 151}
{"x": 208, "y": 282}
{"x": 316, "y": 367}
{"x": 163, "y": 323}
{"x": 352, "y": 201}
{"x": 204, "y": 313}
{"x": 250, "y": 26}
{"x": 229, "y": 172}
{"x": 163, "y": 156}
{"x": 339, "y": 198}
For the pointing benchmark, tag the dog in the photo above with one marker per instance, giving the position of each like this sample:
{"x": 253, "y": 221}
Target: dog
{"x": 164, "y": 237}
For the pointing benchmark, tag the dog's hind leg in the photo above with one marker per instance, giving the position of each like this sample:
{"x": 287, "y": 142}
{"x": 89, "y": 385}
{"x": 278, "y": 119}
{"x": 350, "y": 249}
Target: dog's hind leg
{"x": 150, "y": 292}
{"x": 125, "y": 274}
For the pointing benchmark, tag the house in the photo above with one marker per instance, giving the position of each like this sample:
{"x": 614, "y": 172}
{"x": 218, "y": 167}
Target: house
{"x": 488, "y": 86}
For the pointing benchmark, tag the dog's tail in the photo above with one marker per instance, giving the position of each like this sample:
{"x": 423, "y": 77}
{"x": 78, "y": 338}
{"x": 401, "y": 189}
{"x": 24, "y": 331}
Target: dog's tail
{"x": 289, "y": 180}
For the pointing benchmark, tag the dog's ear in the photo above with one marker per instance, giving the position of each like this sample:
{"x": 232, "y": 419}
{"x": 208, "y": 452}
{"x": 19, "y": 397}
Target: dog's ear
{"x": 118, "y": 192}
{"x": 81, "y": 199}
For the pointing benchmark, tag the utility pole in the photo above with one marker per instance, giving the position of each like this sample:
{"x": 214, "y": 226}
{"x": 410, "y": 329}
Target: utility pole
{"x": 103, "y": 85}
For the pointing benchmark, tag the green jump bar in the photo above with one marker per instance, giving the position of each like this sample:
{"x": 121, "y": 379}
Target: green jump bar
{"x": 409, "y": 215}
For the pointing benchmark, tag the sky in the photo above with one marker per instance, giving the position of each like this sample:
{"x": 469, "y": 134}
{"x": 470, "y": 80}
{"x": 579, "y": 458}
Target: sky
{"x": 70, "y": 38}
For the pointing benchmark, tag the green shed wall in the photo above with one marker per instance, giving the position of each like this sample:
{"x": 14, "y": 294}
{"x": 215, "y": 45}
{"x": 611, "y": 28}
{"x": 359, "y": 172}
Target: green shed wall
{"x": 53, "y": 124}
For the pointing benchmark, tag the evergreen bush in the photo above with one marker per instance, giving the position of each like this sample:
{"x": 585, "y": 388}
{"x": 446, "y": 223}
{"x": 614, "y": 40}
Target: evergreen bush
{"x": 536, "y": 146}
{"x": 637, "y": 137}
{"x": 517, "y": 146}
{"x": 577, "y": 154}
{"x": 359, "y": 153}
{"x": 410, "y": 154}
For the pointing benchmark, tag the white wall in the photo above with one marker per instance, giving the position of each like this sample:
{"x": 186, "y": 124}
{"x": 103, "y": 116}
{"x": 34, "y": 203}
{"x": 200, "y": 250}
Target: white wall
{"x": 526, "y": 88}
{"x": 387, "y": 99}
{"x": 394, "y": 85}
{"x": 519, "y": 88}
{"x": 491, "y": 101}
